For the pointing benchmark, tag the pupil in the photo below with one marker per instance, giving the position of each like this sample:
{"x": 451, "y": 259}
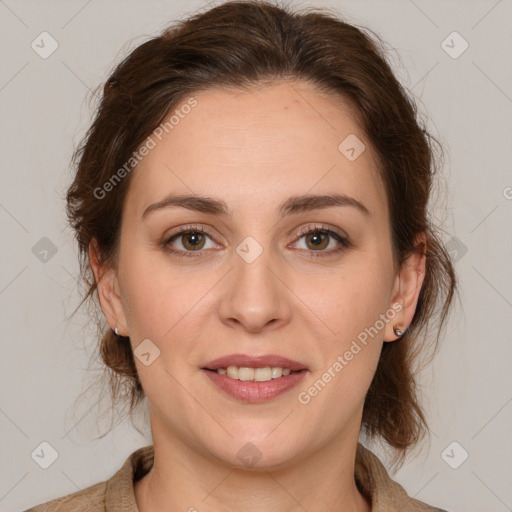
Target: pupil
{"x": 316, "y": 237}
{"x": 193, "y": 236}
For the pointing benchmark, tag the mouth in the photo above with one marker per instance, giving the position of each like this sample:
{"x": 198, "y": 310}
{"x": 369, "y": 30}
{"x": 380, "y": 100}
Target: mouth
{"x": 261, "y": 374}
{"x": 254, "y": 378}
{"x": 258, "y": 368}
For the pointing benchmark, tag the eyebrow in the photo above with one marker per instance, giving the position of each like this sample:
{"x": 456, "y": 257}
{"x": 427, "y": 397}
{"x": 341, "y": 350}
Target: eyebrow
{"x": 293, "y": 205}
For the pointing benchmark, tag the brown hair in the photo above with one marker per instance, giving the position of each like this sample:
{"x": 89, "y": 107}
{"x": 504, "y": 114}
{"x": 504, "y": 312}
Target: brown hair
{"x": 250, "y": 43}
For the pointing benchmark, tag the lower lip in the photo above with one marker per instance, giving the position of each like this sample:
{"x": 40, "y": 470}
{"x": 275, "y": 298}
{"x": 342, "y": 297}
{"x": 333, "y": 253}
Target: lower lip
{"x": 255, "y": 392}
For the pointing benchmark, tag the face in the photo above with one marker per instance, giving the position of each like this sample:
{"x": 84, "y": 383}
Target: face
{"x": 258, "y": 270}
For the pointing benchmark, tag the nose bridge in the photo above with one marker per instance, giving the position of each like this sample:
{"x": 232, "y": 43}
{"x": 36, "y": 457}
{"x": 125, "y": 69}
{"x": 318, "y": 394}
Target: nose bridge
{"x": 256, "y": 295}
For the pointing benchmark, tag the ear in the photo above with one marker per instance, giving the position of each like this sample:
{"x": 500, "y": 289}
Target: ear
{"x": 406, "y": 290}
{"x": 108, "y": 291}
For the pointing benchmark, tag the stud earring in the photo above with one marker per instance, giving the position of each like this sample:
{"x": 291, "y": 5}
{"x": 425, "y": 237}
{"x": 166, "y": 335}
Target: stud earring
{"x": 116, "y": 331}
{"x": 398, "y": 332}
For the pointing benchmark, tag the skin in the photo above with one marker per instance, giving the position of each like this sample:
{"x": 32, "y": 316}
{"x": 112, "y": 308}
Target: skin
{"x": 253, "y": 150}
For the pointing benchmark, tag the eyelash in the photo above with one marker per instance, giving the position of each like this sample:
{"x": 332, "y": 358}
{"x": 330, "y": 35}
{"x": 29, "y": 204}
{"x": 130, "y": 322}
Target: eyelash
{"x": 343, "y": 241}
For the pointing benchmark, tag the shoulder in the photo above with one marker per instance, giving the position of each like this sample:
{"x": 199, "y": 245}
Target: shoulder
{"x": 385, "y": 493}
{"x": 108, "y": 495}
{"x": 419, "y": 506}
{"x": 89, "y": 499}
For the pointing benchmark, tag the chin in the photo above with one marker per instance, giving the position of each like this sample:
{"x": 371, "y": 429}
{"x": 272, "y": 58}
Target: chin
{"x": 257, "y": 453}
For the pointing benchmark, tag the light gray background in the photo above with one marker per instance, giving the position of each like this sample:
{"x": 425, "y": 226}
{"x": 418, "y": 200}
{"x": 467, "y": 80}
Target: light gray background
{"x": 45, "y": 355}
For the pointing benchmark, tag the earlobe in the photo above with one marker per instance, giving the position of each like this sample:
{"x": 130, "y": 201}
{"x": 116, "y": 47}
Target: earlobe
{"x": 408, "y": 285}
{"x": 108, "y": 291}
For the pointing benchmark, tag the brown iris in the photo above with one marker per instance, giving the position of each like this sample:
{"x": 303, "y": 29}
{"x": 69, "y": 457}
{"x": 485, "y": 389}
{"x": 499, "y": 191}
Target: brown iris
{"x": 195, "y": 239}
{"x": 316, "y": 237}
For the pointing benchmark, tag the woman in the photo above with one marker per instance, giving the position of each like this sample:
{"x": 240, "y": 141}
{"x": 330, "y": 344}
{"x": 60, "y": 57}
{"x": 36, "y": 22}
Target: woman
{"x": 250, "y": 205}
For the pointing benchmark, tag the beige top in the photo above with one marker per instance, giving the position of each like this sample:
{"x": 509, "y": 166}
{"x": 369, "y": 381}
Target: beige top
{"x": 117, "y": 493}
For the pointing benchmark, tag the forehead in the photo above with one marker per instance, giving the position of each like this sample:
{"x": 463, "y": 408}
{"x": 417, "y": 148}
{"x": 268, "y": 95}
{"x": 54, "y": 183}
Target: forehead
{"x": 260, "y": 146}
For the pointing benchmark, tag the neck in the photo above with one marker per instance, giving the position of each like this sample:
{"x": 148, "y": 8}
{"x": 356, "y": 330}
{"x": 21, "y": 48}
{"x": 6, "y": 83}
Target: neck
{"x": 182, "y": 478}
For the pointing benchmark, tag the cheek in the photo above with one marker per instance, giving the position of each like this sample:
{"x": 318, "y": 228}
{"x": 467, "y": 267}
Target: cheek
{"x": 349, "y": 300}
{"x": 168, "y": 307}
{"x": 351, "y": 351}
{"x": 157, "y": 296}
{"x": 352, "y": 305}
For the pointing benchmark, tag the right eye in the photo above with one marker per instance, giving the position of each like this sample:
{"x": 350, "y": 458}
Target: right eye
{"x": 191, "y": 239}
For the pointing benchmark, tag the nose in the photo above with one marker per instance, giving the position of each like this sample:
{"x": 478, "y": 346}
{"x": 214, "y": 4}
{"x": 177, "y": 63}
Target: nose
{"x": 256, "y": 295}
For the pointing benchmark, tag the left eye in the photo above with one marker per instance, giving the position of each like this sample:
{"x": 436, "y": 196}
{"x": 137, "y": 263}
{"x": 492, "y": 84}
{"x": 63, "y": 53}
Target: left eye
{"x": 318, "y": 240}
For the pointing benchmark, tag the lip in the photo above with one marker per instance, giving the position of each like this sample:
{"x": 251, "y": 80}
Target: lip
{"x": 251, "y": 391}
{"x": 248, "y": 361}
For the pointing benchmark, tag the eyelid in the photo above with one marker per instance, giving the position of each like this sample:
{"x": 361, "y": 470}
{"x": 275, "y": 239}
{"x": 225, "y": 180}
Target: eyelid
{"x": 185, "y": 229}
{"x": 320, "y": 227}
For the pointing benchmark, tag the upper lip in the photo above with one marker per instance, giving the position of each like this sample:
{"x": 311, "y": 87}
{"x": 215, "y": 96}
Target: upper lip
{"x": 248, "y": 361}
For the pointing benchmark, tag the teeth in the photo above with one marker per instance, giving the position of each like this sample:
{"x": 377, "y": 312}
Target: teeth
{"x": 277, "y": 372}
{"x": 254, "y": 374}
